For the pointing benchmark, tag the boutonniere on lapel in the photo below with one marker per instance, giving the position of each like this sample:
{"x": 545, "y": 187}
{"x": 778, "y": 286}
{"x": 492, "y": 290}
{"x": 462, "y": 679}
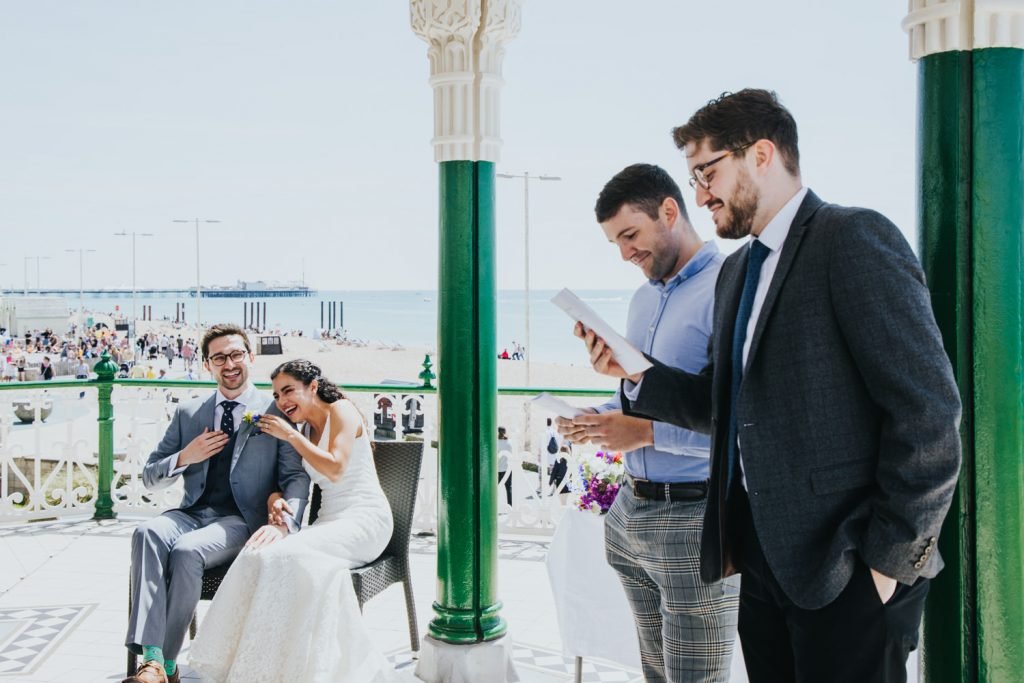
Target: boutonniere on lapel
{"x": 252, "y": 419}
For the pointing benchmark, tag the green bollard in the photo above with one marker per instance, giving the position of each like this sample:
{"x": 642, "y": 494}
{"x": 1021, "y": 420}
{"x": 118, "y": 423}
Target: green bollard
{"x": 105, "y": 372}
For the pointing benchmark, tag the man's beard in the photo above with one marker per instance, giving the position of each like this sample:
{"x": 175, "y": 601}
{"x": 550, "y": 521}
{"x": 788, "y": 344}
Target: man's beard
{"x": 663, "y": 261}
{"x": 742, "y": 208}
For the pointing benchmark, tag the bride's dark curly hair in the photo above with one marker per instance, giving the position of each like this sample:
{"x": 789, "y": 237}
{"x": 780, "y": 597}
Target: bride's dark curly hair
{"x": 305, "y": 372}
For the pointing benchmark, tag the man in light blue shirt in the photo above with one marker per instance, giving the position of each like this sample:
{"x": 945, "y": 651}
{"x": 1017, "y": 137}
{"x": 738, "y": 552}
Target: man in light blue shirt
{"x": 686, "y": 627}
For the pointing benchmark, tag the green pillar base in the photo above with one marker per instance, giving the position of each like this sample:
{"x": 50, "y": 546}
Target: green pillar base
{"x": 467, "y": 625}
{"x": 102, "y": 514}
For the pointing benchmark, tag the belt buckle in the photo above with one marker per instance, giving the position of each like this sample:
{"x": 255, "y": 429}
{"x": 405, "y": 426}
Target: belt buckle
{"x": 636, "y": 486}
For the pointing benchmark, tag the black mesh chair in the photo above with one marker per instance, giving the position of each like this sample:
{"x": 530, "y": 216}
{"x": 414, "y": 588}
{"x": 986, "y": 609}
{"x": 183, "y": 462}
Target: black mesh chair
{"x": 398, "y": 469}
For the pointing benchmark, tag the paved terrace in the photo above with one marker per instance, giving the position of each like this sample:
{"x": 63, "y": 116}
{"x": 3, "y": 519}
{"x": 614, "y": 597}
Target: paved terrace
{"x": 63, "y": 607}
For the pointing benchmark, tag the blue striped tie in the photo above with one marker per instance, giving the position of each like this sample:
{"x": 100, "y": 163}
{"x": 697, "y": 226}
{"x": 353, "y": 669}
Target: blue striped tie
{"x": 755, "y": 259}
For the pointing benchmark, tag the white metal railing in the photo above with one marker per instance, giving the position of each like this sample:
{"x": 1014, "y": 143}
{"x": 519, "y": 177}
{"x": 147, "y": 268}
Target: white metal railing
{"x": 48, "y": 470}
{"x": 48, "y": 467}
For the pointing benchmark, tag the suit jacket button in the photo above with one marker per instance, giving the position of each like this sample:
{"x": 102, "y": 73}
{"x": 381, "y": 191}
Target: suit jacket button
{"x": 922, "y": 558}
{"x": 932, "y": 540}
{"x": 918, "y": 565}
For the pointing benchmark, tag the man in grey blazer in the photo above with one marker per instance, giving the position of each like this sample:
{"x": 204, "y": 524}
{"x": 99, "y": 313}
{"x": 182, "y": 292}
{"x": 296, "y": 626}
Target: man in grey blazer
{"x": 831, "y": 406}
{"x": 229, "y": 471}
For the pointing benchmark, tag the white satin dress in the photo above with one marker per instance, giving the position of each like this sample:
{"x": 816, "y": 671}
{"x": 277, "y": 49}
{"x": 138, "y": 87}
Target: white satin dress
{"x": 288, "y": 611}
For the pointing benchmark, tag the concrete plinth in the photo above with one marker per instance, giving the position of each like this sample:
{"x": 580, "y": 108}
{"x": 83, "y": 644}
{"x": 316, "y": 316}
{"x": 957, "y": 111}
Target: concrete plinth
{"x": 489, "y": 661}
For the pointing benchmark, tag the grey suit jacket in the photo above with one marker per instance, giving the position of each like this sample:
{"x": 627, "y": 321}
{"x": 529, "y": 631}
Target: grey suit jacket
{"x": 848, "y": 414}
{"x": 260, "y": 464}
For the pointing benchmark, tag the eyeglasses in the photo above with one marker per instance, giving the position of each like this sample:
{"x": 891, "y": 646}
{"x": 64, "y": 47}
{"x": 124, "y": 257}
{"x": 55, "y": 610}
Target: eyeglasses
{"x": 220, "y": 359}
{"x": 698, "y": 177}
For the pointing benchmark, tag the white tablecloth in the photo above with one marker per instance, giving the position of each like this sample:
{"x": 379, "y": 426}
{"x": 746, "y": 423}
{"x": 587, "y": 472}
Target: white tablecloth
{"x": 594, "y": 618}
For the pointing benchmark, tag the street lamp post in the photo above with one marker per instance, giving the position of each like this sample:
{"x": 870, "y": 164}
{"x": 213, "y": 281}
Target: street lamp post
{"x": 199, "y": 290}
{"x": 39, "y": 287}
{"x": 525, "y": 175}
{"x": 81, "y": 277}
{"x": 134, "y": 235}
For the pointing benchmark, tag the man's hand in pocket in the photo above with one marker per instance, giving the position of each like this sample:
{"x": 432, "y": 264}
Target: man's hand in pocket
{"x": 885, "y": 586}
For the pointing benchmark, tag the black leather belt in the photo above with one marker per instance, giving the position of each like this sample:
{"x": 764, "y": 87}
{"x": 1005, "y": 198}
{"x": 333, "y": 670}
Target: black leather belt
{"x": 656, "y": 490}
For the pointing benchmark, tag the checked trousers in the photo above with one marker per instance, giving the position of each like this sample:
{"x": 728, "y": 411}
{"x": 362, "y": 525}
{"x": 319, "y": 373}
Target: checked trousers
{"x": 686, "y": 627}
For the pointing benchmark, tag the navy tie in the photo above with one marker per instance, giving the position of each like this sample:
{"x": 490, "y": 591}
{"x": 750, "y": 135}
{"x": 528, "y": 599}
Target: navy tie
{"x": 755, "y": 259}
{"x": 227, "y": 421}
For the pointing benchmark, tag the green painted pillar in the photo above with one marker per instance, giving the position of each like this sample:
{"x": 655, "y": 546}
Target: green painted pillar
{"x": 105, "y": 371}
{"x": 465, "y": 41}
{"x": 997, "y": 214}
{"x": 971, "y": 223}
{"x": 467, "y": 605}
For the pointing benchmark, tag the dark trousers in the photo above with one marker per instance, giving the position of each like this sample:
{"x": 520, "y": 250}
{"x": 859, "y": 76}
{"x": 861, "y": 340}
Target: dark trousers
{"x": 855, "y": 639}
{"x": 508, "y": 486}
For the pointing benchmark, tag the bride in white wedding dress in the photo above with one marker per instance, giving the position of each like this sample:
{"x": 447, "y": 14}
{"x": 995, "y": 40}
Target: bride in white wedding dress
{"x": 287, "y": 611}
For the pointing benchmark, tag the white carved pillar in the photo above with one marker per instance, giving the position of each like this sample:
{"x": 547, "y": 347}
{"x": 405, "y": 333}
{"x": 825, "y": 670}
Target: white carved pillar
{"x": 466, "y": 45}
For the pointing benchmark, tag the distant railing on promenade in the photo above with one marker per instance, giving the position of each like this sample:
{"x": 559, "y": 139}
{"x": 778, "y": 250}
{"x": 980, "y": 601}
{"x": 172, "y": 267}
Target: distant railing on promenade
{"x": 89, "y": 458}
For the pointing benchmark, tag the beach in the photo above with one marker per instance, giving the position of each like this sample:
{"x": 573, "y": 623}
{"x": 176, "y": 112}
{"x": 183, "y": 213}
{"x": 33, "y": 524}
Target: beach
{"x": 377, "y": 363}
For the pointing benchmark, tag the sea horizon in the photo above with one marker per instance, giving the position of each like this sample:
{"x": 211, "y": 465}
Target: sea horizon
{"x": 391, "y": 316}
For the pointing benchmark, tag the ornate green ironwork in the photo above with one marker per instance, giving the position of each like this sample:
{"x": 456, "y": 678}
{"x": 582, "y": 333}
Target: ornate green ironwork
{"x": 105, "y": 372}
{"x": 426, "y": 374}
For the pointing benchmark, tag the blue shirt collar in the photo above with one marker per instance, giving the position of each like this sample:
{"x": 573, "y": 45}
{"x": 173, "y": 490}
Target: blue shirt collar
{"x": 696, "y": 264}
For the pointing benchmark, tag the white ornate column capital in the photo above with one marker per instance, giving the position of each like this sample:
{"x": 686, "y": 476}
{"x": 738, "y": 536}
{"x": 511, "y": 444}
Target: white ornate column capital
{"x": 936, "y": 26}
{"x": 465, "y": 40}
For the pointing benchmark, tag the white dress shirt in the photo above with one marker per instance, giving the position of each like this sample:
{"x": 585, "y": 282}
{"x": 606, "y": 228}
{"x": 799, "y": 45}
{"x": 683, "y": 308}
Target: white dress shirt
{"x": 772, "y": 236}
{"x": 243, "y": 399}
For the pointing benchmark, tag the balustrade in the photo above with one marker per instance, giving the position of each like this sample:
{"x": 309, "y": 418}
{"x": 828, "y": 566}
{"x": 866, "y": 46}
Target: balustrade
{"x": 53, "y": 466}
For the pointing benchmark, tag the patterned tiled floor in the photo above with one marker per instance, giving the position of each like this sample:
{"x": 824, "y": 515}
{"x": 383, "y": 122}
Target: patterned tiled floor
{"x": 71, "y": 575}
{"x": 531, "y": 659}
{"x": 71, "y": 527}
{"x": 28, "y": 635}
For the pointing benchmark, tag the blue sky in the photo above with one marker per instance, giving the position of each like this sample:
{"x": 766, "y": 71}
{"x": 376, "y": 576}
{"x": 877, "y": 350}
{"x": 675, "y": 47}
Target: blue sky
{"x": 304, "y": 127}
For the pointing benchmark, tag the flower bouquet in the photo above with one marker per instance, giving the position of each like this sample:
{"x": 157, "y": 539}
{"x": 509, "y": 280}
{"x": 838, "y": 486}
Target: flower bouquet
{"x": 601, "y": 476}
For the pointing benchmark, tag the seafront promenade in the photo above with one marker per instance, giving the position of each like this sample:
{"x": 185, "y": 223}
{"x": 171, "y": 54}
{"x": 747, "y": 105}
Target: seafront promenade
{"x": 206, "y": 292}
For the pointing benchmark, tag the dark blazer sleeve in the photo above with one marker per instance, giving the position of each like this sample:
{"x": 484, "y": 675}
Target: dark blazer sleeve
{"x": 884, "y": 310}
{"x": 672, "y": 395}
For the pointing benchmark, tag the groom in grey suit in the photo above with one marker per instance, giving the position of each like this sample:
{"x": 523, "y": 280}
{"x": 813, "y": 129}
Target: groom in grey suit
{"x": 229, "y": 471}
{"x": 831, "y": 405}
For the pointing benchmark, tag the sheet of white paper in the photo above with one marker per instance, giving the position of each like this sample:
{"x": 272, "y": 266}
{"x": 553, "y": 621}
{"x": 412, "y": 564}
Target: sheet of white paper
{"x": 553, "y": 404}
{"x": 631, "y": 360}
